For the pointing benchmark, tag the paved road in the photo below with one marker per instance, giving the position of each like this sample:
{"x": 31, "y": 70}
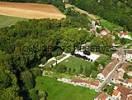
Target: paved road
{"x": 109, "y": 76}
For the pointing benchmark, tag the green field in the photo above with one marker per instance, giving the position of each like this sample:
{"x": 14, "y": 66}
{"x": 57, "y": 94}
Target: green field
{"x": 7, "y": 20}
{"x": 75, "y": 63}
{"x": 60, "y": 91}
{"x": 109, "y": 25}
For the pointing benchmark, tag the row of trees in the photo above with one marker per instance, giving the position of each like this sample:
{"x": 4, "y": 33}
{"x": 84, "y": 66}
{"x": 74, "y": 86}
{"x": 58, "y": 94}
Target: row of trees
{"x": 89, "y": 71}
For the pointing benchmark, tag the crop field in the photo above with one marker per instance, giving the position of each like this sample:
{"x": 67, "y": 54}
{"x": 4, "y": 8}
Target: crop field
{"x": 30, "y": 10}
{"x": 60, "y": 91}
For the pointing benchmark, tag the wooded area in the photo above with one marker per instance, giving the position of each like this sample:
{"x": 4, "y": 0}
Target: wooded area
{"x": 116, "y": 11}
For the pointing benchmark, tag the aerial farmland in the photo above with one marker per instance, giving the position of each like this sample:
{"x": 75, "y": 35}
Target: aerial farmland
{"x": 30, "y": 10}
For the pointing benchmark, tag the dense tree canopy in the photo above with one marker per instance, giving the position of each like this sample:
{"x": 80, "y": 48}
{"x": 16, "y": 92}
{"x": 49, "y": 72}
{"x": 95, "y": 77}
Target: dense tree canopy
{"x": 116, "y": 11}
{"x": 28, "y": 43}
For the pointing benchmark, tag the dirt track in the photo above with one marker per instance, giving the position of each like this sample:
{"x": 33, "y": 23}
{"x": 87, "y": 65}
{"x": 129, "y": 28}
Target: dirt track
{"x": 30, "y": 10}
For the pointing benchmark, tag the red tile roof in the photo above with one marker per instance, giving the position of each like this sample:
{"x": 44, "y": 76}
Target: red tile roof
{"x": 129, "y": 97}
{"x": 115, "y": 92}
{"x": 124, "y": 92}
{"x": 91, "y": 82}
{"x": 102, "y": 96}
{"x": 108, "y": 68}
{"x": 129, "y": 80}
{"x": 123, "y": 33}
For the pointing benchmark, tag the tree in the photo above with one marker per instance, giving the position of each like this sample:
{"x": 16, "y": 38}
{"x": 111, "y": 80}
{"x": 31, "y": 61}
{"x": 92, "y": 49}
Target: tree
{"x": 46, "y": 95}
{"x": 27, "y": 79}
{"x": 125, "y": 76}
{"x": 94, "y": 74}
{"x": 5, "y": 79}
{"x": 72, "y": 37}
{"x": 73, "y": 70}
{"x": 87, "y": 71}
{"x": 43, "y": 95}
{"x": 33, "y": 94}
{"x": 9, "y": 94}
{"x": 81, "y": 69}
{"x": 69, "y": 70}
{"x": 36, "y": 72}
{"x": 43, "y": 60}
{"x": 104, "y": 44}
{"x": 109, "y": 89}
{"x": 61, "y": 68}
{"x": 57, "y": 52}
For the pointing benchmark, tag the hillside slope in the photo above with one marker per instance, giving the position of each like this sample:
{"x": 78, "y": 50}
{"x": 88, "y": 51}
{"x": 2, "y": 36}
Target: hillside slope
{"x": 116, "y": 11}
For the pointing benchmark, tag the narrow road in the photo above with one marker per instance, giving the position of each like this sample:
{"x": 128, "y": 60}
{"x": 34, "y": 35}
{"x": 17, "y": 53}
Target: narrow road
{"x": 109, "y": 76}
{"x": 59, "y": 61}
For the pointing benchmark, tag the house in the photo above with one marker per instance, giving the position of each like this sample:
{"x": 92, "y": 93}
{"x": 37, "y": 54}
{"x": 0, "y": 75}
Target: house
{"x": 118, "y": 78}
{"x": 92, "y": 57}
{"x": 95, "y": 25}
{"x": 116, "y": 95}
{"x": 121, "y": 93}
{"x": 109, "y": 67}
{"x": 93, "y": 84}
{"x": 117, "y": 55}
{"x": 129, "y": 55}
{"x": 85, "y": 46}
{"x": 124, "y": 34}
{"x": 129, "y": 83}
{"x": 129, "y": 97}
{"x": 118, "y": 75}
{"x": 104, "y": 32}
{"x": 103, "y": 96}
{"x": 129, "y": 73}
{"x": 120, "y": 54}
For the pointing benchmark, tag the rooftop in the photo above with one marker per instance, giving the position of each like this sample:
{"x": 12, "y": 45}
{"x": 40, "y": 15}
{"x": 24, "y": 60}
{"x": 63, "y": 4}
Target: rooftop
{"x": 102, "y": 96}
{"x": 115, "y": 92}
{"x": 91, "y": 82}
{"x": 123, "y": 33}
{"x": 108, "y": 68}
{"x": 124, "y": 92}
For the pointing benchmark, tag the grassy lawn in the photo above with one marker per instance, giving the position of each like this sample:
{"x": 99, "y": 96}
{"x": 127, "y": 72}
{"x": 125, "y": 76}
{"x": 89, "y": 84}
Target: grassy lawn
{"x": 103, "y": 60}
{"x": 60, "y": 91}
{"x": 110, "y": 25}
{"x": 75, "y": 63}
{"x": 7, "y": 21}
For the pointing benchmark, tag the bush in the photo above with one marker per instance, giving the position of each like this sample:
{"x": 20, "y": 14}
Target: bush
{"x": 33, "y": 94}
{"x": 36, "y": 72}
{"x": 61, "y": 68}
{"x": 27, "y": 79}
